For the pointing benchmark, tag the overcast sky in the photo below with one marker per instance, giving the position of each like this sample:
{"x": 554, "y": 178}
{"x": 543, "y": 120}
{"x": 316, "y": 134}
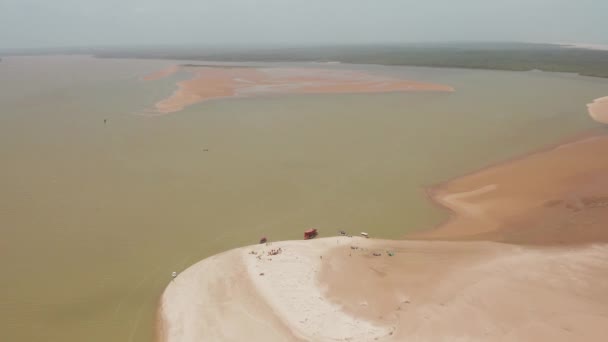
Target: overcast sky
{"x": 50, "y": 23}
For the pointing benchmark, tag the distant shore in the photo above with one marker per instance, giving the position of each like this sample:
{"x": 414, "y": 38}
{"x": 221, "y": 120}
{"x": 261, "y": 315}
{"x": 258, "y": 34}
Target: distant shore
{"x": 582, "y": 59}
{"x": 501, "y": 284}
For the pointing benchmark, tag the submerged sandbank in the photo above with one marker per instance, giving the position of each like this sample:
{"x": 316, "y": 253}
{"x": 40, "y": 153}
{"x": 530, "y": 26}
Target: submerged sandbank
{"x": 221, "y": 82}
{"x": 598, "y": 110}
{"x": 160, "y": 74}
{"x": 558, "y": 196}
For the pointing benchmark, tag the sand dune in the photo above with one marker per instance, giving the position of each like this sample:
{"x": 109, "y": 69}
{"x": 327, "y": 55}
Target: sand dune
{"x": 217, "y": 82}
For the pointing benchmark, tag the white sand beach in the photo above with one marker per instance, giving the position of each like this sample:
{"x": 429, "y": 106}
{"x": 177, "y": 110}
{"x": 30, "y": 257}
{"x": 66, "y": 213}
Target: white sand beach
{"x": 336, "y": 289}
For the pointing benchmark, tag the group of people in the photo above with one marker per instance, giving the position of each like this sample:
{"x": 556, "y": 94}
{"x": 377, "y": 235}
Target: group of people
{"x": 275, "y": 251}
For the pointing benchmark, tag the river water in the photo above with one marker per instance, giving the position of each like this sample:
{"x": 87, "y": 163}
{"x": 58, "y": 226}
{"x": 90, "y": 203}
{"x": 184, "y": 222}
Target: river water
{"x": 94, "y": 217}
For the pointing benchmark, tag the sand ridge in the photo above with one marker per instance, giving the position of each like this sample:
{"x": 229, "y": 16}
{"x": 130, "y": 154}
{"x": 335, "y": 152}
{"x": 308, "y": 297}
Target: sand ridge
{"x": 216, "y": 82}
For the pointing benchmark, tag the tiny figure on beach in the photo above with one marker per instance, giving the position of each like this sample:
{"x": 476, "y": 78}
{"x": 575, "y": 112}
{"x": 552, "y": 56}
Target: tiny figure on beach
{"x": 275, "y": 251}
{"x": 173, "y": 275}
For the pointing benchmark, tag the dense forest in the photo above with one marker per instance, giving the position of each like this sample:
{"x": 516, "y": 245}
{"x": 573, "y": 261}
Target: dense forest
{"x": 500, "y": 56}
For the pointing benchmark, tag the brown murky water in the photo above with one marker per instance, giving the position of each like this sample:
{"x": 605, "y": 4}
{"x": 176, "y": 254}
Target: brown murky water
{"x": 94, "y": 218}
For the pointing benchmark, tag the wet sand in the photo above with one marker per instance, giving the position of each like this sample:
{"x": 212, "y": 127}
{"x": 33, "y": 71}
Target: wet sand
{"x": 598, "y": 110}
{"x": 561, "y": 192}
{"x": 223, "y": 82}
{"x": 160, "y": 74}
{"x": 472, "y": 291}
{"x": 535, "y": 270}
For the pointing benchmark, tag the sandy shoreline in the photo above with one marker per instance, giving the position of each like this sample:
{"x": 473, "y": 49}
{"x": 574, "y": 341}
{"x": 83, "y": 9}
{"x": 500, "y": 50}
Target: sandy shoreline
{"x": 429, "y": 290}
{"x": 598, "y": 109}
{"x": 323, "y": 290}
{"x": 556, "y": 191}
{"x": 210, "y": 83}
{"x": 504, "y": 283}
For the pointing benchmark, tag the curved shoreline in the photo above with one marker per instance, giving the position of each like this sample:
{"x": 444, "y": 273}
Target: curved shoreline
{"x": 563, "y": 182}
{"x": 424, "y": 292}
{"x": 384, "y": 296}
{"x": 598, "y": 109}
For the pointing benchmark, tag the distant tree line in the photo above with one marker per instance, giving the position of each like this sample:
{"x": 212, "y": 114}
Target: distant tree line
{"x": 499, "y": 56}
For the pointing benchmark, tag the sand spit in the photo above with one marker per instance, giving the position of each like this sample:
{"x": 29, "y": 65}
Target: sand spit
{"x": 598, "y": 110}
{"x": 351, "y": 289}
{"x": 558, "y": 196}
{"x": 160, "y": 74}
{"x": 248, "y": 295}
{"x": 215, "y": 300}
{"x": 217, "y": 82}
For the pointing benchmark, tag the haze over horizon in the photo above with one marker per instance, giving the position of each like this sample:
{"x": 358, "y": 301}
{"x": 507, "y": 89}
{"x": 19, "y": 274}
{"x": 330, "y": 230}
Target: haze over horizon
{"x": 41, "y": 23}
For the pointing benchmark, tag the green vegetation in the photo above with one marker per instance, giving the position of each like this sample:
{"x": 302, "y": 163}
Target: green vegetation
{"x": 500, "y": 56}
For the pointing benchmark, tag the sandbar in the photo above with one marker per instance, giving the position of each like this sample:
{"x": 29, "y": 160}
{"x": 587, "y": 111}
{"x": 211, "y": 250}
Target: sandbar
{"x": 561, "y": 192}
{"x": 598, "y": 110}
{"x": 210, "y": 83}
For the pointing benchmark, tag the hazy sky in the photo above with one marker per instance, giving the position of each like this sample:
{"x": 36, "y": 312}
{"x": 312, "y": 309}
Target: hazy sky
{"x": 38, "y": 23}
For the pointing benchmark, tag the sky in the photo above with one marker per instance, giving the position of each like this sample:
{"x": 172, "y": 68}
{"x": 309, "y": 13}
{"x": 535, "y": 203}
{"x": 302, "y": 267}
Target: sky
{"x": 86, "y": 23}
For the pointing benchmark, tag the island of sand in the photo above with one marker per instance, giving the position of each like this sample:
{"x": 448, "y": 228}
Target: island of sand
{"x": 523, "y": 258}
{"x": 215, "y": 82}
